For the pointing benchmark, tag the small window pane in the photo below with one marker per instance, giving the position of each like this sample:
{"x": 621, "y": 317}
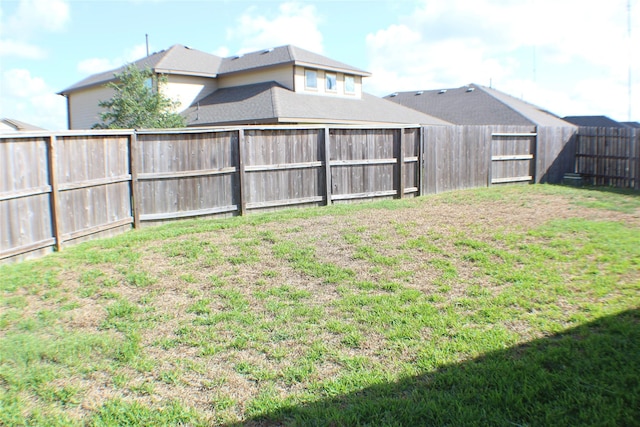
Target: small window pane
{"x": 331, "y": 81}
{"x": 311, "y": 79}
{"x": 349, "y": 84}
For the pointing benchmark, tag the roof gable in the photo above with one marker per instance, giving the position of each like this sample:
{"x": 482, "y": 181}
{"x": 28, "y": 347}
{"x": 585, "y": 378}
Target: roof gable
{"x": 178, "y": 59}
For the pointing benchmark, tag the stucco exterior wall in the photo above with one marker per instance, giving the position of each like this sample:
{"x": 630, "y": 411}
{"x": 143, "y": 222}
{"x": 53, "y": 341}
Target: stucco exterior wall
{"x": 188, "y": 89}
{"x": 282, "y": 74}
{"x": 83, "y": 106}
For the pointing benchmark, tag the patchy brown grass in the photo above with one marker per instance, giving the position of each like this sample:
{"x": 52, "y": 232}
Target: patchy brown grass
{"x": 225, "y": 315}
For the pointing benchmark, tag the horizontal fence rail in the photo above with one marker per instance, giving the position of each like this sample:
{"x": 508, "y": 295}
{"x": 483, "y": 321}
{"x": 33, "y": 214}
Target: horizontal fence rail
{"x": 62, "y": 188}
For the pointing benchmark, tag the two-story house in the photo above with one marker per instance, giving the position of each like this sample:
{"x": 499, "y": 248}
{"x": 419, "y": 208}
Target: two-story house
{"x": 282, "y": 85}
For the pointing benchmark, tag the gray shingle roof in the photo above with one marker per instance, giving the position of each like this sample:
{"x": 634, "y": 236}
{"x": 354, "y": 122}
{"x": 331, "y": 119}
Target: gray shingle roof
{"x": 20, "y": 126}
{"x": 178, "y": 59}
{"x": 476, "y": 105}
{"x": 284, "y": 55}
{"x": 595, "y": 121}
{"x": 271, "y": 103}
{"x": 635, "y": 125}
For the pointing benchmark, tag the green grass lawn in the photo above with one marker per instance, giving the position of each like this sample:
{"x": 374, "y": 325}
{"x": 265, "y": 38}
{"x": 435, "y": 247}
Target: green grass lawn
{"x": 507, "y": 306}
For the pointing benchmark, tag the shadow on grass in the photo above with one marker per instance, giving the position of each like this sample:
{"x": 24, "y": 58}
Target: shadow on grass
{"x": 589, "y": 375}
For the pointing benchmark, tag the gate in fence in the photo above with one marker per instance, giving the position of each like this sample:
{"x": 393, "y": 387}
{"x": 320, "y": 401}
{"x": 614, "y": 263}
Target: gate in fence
{"x": 513, "y": 157}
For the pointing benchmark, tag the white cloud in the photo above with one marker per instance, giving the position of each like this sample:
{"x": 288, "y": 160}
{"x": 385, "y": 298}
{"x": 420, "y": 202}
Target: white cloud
{"x": 222, "y": 51}
{"x": 29, "y": 99}
{"x": 38, "y": 15}
{"x": 31, "y": 17}
{"x": 294, "y": 24}
{"x": 97, "y": 65}
{"x": 20, "y": 49}
{"x": 581, "y": 49}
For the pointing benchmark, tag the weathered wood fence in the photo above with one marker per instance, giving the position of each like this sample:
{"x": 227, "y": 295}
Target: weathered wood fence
{"x": 609, "y": 156}
{"x": 56, "y": 189}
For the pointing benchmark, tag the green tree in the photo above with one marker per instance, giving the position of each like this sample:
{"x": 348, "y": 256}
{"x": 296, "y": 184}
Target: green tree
{"x": 137, "y": 103}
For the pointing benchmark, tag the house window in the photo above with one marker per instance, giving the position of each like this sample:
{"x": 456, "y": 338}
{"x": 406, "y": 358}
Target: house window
{"x": 349, "y": 84}
{"x": 311, "y": 79}
{"x": 331, "y": 82}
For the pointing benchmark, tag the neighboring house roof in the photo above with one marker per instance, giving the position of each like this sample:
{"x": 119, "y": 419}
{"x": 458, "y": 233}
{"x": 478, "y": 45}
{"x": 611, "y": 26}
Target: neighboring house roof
{"x": 272, "y": 103}
{"x": 284, "y": 55}
{"x": 595, "y": 121}
{"x": 178, "y": 59}
{"x": 12, "y": 125}
{"x": 632, "y": 124}
{"x": 182, "y": 60}
{"x": 476, "y": 105}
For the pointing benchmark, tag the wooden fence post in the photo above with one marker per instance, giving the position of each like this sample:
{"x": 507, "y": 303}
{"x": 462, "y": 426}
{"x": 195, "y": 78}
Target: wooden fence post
{"x": 488, "y": 131}
{"x": 54, "y": 201}
{"x": 401, "y": 164}
{"x": 241, "y": 173}
{"x": 133, "y": 170}
{"x": 420, "y": 164}
{"x": 327, "y": 165}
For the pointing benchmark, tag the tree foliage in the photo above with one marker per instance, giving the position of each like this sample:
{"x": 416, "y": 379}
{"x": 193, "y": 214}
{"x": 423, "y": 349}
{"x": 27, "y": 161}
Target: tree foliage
{"x": 137, "y": 103}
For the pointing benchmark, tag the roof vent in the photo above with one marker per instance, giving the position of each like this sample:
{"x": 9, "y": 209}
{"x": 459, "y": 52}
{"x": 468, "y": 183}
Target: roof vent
{"x": 420, "y": 92}
{"x": 442, "y": 91}
{"x": 393, "y": 95}
{"x": 267, "y": 50}
{"x": 471, "y": 89}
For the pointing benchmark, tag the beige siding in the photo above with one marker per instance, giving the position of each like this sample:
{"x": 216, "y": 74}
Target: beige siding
{"x": 188, "y": 89}
{"x": 321, "y": 89}
{"x": 282, "y": 74}
{"x": 84, "y": 106}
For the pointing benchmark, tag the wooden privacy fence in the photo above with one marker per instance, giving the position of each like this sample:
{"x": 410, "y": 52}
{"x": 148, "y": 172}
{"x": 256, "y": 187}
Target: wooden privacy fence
{"x": 608, "y": 156}
{"x": 72, "y": 186}
{"x": 460, "y": 157}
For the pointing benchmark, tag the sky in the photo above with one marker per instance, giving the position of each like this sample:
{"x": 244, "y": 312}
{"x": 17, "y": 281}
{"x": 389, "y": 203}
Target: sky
{"x": 570, "y": 57}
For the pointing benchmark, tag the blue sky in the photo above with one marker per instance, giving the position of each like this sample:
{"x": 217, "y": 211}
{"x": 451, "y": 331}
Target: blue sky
{"x": 571, "y": 57}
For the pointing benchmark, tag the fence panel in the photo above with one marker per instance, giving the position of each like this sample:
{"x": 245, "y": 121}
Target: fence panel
{"x": 456, "y": 157}
{"x": 25, "y": 192}
{"x": 283, "y": 167}
{"x": 93, "y": 185}
{"x": 363, "y": 163}
{"x": 513, "y": 155}
{"x": 187, "y": 174}
{"x": 608, "y": 156}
